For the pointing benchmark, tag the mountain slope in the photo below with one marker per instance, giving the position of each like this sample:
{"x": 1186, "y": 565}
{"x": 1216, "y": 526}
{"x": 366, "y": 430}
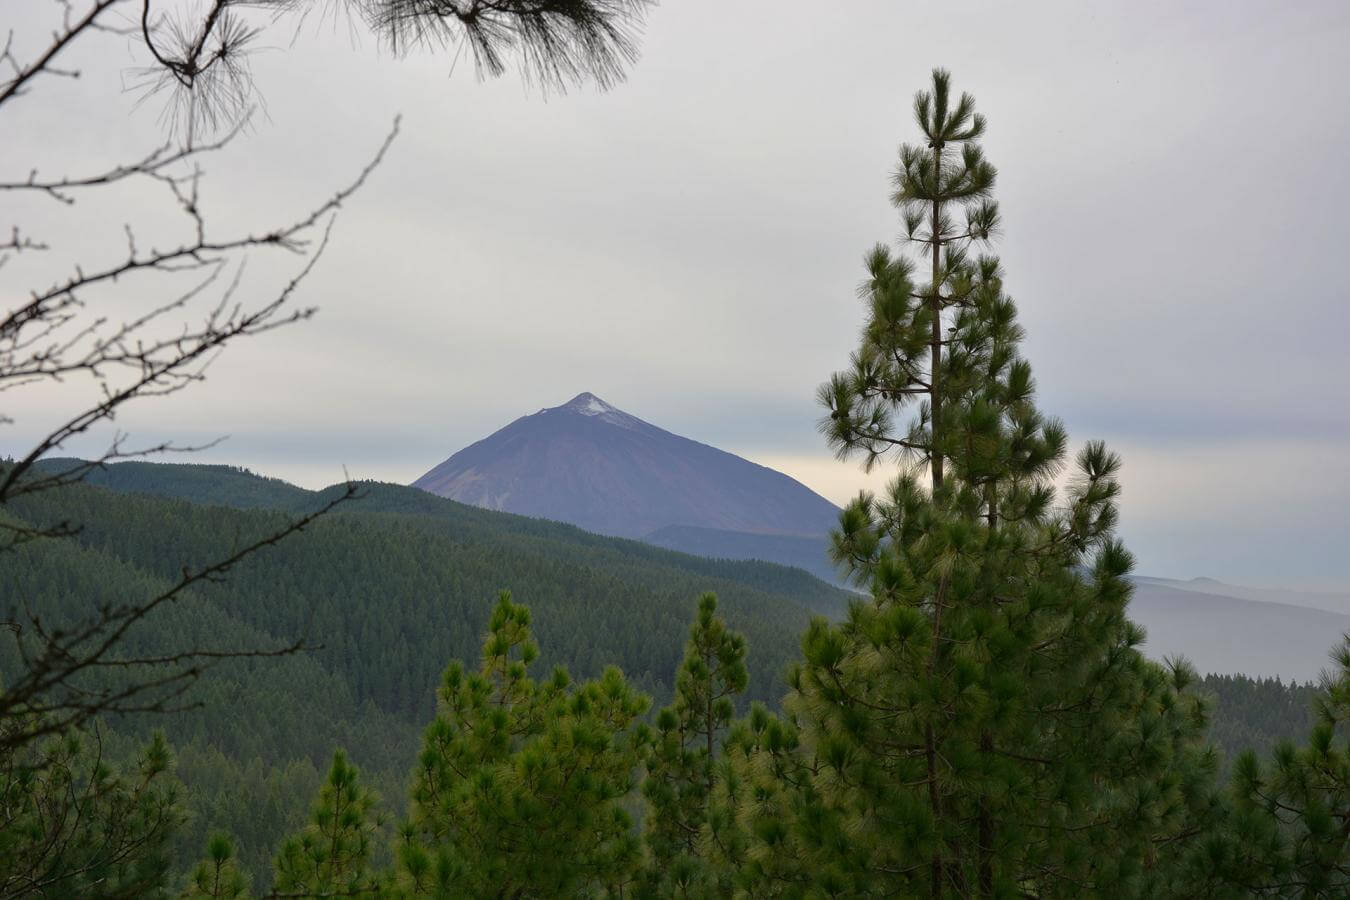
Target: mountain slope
{"x": 211, "y": 485}
{"x": 1330, "y": 601}
{"x": 599, "y": 468}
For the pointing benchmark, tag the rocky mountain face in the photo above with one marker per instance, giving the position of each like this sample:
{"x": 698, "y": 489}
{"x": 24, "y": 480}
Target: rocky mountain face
{"x": 599, "y": 468}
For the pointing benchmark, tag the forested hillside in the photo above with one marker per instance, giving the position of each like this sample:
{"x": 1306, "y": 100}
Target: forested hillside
{"x": 1257, "y": 713}
{"x": 391, "y": 587}
{"x": 231, "y": 486}
{"x": 809, "y": 553}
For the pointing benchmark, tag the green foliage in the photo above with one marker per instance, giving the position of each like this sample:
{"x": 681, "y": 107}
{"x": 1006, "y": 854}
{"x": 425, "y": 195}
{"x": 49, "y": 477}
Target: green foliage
{"x": 680, "y": 762}
{"x": 257, "y": 803}
{"x": 1285, "y": 831}
{"x": 763, "y": 785}
{"x": 521, "y": 786}
{"x": 907, "y": 322}
{"x": 333, "y": 853}
{"x": 1256, "y": 714}
{"x": 218, "y": 875}
{"x": 389, "y": 590}
{"x": 72, "y": 825}
{"x": 986, "y": 725}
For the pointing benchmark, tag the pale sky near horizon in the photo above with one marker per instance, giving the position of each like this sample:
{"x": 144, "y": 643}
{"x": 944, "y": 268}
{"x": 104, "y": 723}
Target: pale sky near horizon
{"x": 686, "y": 246}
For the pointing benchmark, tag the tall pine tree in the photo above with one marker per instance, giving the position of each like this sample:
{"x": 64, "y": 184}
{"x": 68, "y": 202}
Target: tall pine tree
{"x": 985, "y": 725}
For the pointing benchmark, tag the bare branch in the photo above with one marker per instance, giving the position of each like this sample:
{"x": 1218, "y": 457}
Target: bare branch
{"x": 161, "y": 366}
{"x": 45, "y": 64}
{"x": 152, "y": 165}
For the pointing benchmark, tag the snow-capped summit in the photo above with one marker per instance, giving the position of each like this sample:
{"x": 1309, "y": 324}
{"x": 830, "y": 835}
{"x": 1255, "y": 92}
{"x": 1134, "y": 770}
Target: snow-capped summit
{"x": 587, "y": 404}
{"x": 590, "y": 463}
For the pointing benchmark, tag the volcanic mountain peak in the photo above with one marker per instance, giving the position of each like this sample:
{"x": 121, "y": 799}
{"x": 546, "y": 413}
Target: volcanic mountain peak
{"x": 592, "y": 464}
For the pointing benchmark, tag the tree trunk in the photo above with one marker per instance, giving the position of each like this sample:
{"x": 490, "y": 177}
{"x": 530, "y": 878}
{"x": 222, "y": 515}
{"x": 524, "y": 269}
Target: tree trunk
{"x": 986, "y": 830}
{"x": 935, "y": 304}
{"x": 935, "y": 468}
{"x": 930, "y": 749}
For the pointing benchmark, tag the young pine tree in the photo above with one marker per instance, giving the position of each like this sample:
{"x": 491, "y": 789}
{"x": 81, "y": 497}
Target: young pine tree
{"x": 521, "y": 786}
{"x": 218, "y": 876}
{"x": 986, "y": 725}
{"x": 74, "y": 825}
{"x": 332, "y": 856}
{"x": 680, "y": 761}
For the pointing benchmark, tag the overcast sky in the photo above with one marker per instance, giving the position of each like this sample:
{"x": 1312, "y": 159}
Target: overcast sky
{"x": 1173, "y": 178}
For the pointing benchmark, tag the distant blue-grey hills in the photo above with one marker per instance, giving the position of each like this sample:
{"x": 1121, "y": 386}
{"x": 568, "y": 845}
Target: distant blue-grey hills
{"x": 590, "y": 464}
